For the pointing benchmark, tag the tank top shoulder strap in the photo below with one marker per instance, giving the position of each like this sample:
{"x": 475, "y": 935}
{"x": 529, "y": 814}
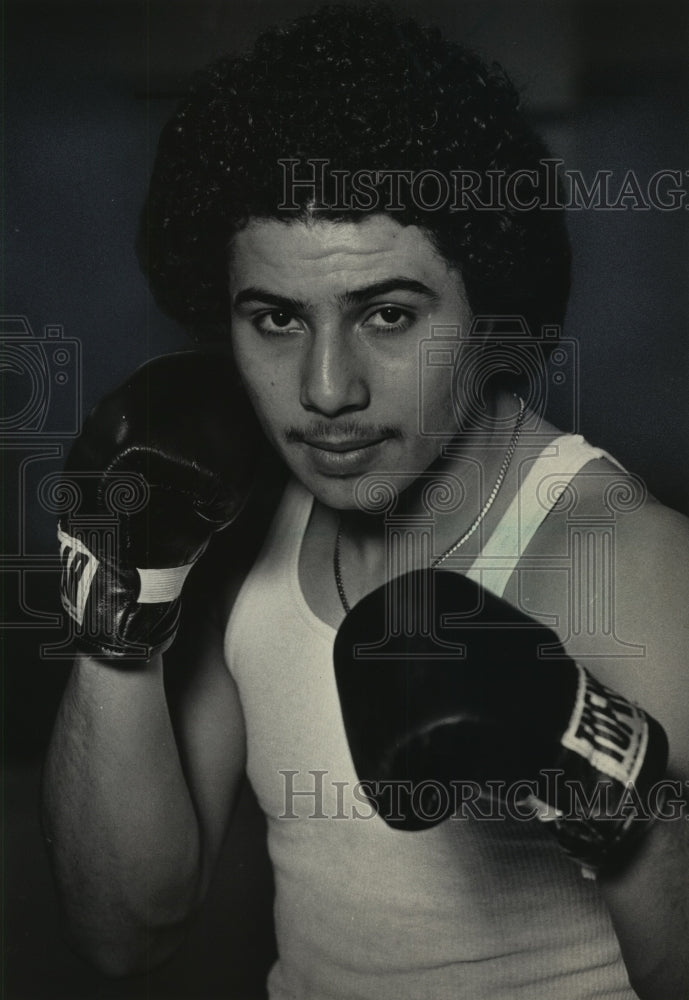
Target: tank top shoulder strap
{"x": 275, "y": 570}
{"x": 559, "y": 462}
{"x": 284, "y": 539}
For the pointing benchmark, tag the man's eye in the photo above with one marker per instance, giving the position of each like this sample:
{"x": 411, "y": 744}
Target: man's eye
{"x": 277, "y": 321}
{"x": 389, "y": 318}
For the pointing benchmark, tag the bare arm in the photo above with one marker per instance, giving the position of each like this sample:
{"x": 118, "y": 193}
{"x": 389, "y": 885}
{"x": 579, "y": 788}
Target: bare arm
{"x": 145, "y": 759}
{"x": 136, "y": 799}
{"x": 649, "y": 906}
{"x": 648, "y": 899}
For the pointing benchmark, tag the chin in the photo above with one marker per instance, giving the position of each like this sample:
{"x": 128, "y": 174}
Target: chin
{"x": 340, "y": 494}
{"x": 378, "y": 495}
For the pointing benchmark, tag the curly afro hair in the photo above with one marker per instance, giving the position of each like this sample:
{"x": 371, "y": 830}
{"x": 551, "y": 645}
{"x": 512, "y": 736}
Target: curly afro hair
{"x": 365, "y": 91}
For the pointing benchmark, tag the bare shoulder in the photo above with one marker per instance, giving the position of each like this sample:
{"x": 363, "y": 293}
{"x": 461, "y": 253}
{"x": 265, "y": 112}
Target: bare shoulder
{"x": 608, "y": 570}
{"x": 610, "y": 526}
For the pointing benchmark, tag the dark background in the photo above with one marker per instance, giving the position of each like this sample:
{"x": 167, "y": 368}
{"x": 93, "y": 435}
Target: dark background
{"x": 86, "y": 88}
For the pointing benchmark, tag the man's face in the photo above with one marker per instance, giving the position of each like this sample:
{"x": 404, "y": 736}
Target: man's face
{"x": 327, "y": 321}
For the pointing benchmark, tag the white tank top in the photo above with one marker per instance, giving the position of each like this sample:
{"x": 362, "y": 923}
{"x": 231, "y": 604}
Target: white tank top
{"x": 468, "y": 910}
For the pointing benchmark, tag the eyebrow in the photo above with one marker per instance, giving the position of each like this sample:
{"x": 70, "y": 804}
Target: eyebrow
{"x": 354, "y": 296}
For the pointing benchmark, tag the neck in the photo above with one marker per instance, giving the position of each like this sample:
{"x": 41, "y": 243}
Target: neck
{"x": 475, "y": 464}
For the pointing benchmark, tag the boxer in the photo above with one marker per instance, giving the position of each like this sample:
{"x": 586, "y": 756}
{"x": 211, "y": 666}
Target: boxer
{"x": 297, "y": 216}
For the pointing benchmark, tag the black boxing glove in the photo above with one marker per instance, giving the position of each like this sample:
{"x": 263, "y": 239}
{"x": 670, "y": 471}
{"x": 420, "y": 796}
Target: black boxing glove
{"x": 161, "y": 463}
{"x": 468, "y": 696}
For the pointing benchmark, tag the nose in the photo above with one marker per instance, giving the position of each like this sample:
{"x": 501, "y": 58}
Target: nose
{"x": 334, "y": 379}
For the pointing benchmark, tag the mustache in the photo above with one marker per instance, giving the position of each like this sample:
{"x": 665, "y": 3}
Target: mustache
{"x": 346, "y": 430}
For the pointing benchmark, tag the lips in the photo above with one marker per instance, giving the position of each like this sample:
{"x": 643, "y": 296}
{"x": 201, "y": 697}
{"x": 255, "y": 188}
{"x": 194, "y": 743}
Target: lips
{"x": 342, "y": 457}
{"x": 340, "y": 446}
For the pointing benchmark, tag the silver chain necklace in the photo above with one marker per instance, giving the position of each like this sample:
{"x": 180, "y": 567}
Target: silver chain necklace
{"x": 511, "y": 448}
